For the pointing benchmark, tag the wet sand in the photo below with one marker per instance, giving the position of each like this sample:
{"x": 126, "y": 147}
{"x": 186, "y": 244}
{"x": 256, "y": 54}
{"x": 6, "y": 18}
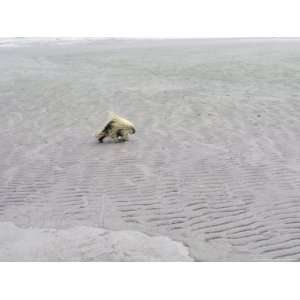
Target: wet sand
{"x": 212, "y": 173}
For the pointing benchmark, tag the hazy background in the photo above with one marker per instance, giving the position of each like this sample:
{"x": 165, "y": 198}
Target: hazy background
{"x": 149, "y": 19}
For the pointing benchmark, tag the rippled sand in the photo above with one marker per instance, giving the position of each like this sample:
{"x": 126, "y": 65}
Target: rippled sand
{"x": 213, "y": 172}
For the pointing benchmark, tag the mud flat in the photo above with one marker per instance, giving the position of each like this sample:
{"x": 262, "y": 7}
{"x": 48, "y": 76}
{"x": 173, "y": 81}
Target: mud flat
{"x": 213, "y": 172}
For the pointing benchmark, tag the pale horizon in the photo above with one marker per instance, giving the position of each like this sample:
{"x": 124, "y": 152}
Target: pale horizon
{"x": 155, "y": 19}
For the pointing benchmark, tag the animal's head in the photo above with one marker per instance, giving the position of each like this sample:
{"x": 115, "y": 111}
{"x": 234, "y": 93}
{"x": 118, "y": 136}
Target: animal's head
{"x": 132, "y": 130}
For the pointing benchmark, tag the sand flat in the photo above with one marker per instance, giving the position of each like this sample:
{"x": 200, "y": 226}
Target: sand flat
{"x": 215, "y": 162}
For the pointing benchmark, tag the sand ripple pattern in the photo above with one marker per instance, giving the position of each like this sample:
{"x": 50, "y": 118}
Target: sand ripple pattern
{"x": 215, "y": 162}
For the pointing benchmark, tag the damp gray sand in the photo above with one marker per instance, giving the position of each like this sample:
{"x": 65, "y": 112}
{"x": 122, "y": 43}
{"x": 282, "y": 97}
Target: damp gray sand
{"x": 213, "y": 172}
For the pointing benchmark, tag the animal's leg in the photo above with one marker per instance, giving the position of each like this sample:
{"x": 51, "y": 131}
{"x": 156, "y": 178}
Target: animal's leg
{"x": 122, "y": 135}
{"x": 115, "y": 137}
{"x": 100, "y": 136}
{"x": 125, "y": 137}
